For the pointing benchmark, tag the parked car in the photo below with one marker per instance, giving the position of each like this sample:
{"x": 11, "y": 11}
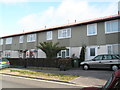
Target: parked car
{"x": 4, "y": 63}
{"x": 118, "y": 55}
{"x": 111, "y": 61}
{"x": 113, "y": 83}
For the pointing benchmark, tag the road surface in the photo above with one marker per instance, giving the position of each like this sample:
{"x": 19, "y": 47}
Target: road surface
{"x": 21, "y": 82}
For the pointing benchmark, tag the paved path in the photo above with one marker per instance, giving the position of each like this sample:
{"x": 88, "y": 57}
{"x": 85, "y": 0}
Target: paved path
{"x": 86, "y": 77}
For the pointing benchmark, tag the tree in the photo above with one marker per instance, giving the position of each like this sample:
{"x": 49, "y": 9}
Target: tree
{"x": 51, "y": 49}
{"x": 82, "y": 53}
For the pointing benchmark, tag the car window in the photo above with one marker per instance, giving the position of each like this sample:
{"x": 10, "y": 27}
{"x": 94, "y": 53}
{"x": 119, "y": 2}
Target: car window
{"x": 98, "y": 57}
{"x": 118, "y": 55}
{"x": 114, "y": 57}
{"x": 107, "y": 57}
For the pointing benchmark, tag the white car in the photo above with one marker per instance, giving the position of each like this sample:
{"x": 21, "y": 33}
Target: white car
{"x": 111, "y": 61}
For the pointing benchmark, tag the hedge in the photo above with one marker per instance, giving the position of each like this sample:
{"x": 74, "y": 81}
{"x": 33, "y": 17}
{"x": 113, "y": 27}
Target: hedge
{"x": 41, "y": 62}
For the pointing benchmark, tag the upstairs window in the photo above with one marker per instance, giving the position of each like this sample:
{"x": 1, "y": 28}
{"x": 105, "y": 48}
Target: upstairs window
{"x": 8, "y": 41}
{"x": 21, "y": 39}
{"x": 91, "y": 29}
{"x": 64, "y": 33}
{"x": 31, "y": 38}
{"x": 1, "y": 41}
{"x": 49, "y": 35}
{"x": 111, "y": 26}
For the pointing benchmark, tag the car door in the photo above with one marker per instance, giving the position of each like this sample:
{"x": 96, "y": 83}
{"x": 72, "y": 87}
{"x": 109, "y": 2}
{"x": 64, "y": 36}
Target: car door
{"x": 96, "y": 62}
{"x": 106, "y": 61}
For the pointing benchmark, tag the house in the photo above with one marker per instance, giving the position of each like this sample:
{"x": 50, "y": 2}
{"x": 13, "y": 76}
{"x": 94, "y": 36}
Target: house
{"x": 101, "y": 36}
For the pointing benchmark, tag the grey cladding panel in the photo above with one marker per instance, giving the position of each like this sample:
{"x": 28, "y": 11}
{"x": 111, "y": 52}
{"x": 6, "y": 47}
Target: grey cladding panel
{"x": 112, "y": 38}
{"x": 7, "y": 47}
{"x": 64, "y": 42}
{"x": 92, "y": 40}
{"x": 79, "y": 36}
{"x": 101, "y": 34}
{"x": 31, "y": 45}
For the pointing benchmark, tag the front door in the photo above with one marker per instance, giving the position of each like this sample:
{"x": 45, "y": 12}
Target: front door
{"x": 63, "y": 53}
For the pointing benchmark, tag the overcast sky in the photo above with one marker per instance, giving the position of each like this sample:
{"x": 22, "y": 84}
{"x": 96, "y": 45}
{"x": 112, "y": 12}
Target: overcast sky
{"x": 17, "y": 16}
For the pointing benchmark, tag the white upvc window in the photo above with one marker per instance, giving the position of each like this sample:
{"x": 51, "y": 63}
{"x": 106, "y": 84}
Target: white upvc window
{"x": 8, "y": 41}
{"x": 21, "y": 39}
{"x": 1, "y": 41}
{"x": 64, "y": 53}
{"x": 64, "y": 33}
{"x": 111, "y": 26}
{"x": 31, "y": 38}
{"x": 110, "y": 49}
{"x": 49, "y": 35}
{"x": 92, "y": 51}
{"x": 91, "y": 29}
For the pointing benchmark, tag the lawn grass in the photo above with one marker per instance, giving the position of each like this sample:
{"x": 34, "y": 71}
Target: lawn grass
{"x": 42, "y": 75}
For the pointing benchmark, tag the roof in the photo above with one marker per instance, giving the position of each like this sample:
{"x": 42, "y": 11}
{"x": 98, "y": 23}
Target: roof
{"x": 101, "y": 19}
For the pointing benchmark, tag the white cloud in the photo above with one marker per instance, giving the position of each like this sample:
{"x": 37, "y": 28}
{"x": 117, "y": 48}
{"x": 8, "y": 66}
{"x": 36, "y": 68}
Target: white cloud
{"x": 67, "y": 11}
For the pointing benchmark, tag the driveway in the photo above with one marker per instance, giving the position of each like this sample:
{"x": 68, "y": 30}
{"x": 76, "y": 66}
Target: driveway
{"x": 92, "y": 77}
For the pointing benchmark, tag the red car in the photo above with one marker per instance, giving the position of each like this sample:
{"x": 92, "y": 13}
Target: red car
{"x": 112, "y": 84}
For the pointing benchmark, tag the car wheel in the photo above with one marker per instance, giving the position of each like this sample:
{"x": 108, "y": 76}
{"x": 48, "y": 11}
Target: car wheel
{"x": 85, "y": 67}
{"x": 114, "y": 67}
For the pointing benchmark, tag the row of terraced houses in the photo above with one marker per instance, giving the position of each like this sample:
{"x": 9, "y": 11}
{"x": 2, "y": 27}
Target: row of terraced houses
{"x": 101, "y": 36}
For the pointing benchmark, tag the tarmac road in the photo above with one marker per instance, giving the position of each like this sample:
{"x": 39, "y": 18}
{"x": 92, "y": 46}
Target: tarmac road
{"x": 21, "y": 82}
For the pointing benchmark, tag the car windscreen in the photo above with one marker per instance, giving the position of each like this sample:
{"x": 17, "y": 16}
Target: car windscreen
{"x": 108, "y": 82}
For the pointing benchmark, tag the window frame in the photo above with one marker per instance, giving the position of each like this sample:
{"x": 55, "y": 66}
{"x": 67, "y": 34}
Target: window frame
{"x": 8, "y": 40}
{"x": 111, "y": 49}
{"x": 30, "y": 38}
{"x": 106, "y": 32}
{"x": 59, "y": 55}
{"x": 92, "y": 52}
{"x": 95, "y": 29}
{"x": 1, "y": 41}
{"x": 96, "y": 51}
{"x": 49, "y": 35}
{"x": 64, "y": 33}
{"x": 21, "y": 39}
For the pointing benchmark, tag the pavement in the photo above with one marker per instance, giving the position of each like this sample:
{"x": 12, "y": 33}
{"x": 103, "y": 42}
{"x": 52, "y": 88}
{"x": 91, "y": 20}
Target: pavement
{"x": 86, "y": 77}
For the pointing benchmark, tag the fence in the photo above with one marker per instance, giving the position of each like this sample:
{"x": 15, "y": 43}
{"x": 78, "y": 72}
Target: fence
{"x": 41, "y": 62}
